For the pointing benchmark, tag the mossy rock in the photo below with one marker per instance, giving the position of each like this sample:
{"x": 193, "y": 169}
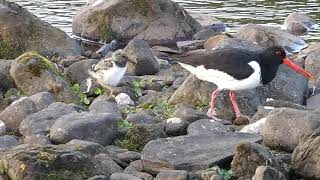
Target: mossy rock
{"x": 34, "y": 73}
{"x": 47, "y": 162}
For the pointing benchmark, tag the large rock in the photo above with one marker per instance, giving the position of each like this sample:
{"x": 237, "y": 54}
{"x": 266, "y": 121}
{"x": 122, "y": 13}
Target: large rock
{"x": 7, "y": 142}
{"x": 267, "y": 36}
{"x": 103, "y": 104}
{"x": 299, "y": 23}
{"x": 13, "y": 115}
{"x": 239, "y": 44}
{"x": 22, "y": 31}
{"x": 78, "y": 71}
{"x": 144, "y": 63}
{"x": 305, "y": 158}
{"x": 157, "y": 22}
{"x": 41, "y": 122}
{"x": 42, "y": 100}
{"x": 268, "y": 173}
{"x": 312, "y": 65}
{"x": 47, "y": 162}
{"x": 313, "y": 102}
{"x": 99, "y": 128}
{"x": 284, "y": 127}
{"x": 6, "y": 82}
{"x": 206, "y": 126}
{"x": 249, "y": 156}
{"x": 33, "y": 73}
{"x": 194, "y": 152}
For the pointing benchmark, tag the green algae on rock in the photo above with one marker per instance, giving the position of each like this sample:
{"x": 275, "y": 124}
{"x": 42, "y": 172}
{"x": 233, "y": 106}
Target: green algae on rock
{"x": 34, "y": 73}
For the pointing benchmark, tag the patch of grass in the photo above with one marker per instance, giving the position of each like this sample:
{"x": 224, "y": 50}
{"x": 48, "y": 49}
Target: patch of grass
{"x": 204, "y": 104}
{"x": 135, "y": 139}
{"x": 138, "y": 87}
{"x": 83, "y": 97}
{"x": 99, "y": 91}
{"x": 46, "y": 158}
{"x": 161, "y": 106}
{"x": 124, "y": 124}
{"x": 224, "y": 174}
{"x": 3, "y": 173}
{"x": 67, "y": 174}
{"x": 129, "y": 109}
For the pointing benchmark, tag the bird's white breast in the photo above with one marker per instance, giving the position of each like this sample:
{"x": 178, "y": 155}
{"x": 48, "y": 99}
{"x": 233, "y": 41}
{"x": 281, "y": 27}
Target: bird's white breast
{"x": 224, "y": 80}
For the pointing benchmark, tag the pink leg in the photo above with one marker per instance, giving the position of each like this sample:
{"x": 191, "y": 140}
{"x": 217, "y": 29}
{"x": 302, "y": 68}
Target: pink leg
{"x": 212, "y": 110}
{"x": 232, "y": 96}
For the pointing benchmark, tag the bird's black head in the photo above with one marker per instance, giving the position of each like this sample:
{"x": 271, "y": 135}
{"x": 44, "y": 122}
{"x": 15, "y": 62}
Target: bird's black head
{"x": 273, "y": 55}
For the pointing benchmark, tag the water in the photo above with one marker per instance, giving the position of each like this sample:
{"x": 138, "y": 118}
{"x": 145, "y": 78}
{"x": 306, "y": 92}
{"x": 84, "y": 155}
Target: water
{"x": 235, "y": 13}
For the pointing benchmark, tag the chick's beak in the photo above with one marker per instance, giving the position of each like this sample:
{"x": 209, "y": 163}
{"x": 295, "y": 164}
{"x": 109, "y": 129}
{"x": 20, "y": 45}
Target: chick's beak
{"x": 297, "y": 68}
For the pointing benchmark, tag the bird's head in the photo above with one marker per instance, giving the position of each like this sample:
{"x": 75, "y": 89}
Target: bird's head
{"x": 277, "y": 55}
{"x": 120, "y": 58}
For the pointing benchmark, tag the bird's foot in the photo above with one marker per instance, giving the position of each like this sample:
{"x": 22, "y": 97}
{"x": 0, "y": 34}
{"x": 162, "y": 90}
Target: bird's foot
{"x": 241, "y": 120}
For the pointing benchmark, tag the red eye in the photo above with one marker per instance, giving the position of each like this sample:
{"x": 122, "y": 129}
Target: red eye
{"x": 278, "y": 53}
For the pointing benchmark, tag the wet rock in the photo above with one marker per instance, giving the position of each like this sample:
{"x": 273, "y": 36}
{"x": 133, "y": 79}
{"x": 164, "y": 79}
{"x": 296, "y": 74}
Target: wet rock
{"x": 313, "y": 102}
{"x": 13, "y": 115}
{"x": 144, "y": 63}
{"x": 268, "y": 173}
{"x": 238, "y": 44}
{"x": 249, "y": 156}
{"x": 299, "y": 23}
{"x": 160, "y": 22}
{"x": 312, "y": 65}
{"x": 122, "y": 176}
{"x": 23, "y": 31}
{"x": 6, "y": 82}
{"x": 31, "y": 68}
{"x": 189, "y": 114}
{"x": 267, "y": 36}
{"x": 86, "y": 146}
{"x": 206, "y": 20}
{"x": 176, "y": 127}
{"x": 185, "y": 46}
{"x": 123, "y": 99}
{"x": 205, "y": 34}
{"x": 42, "y": 100}
{"x": 141, "y": 118}
{"x": 44, "y": 162}
{"x": 305, "y": 158}
{"x": 103, "y": 104}
{"x": 172, "y": 175}
{"x": 311, "y": 48}
{"x": 7, "y": 142}
{"x": 2, "y": 127}
{"x": 206, "y": 126}
{"x": 99, "y": 128}
{"x": 214, "y": 41}
{"x": 78, "y": 71}
{"x": 284, "y": 127}
{"x": 41, "y": 122}
{"x": 203, "y": 149}
{"x": 254, "y": 128}
{"x": 107, "y": 165}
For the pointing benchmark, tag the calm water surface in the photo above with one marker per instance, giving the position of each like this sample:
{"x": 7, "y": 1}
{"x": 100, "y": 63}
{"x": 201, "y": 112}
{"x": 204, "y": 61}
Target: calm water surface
{"x": 234, "y": 13}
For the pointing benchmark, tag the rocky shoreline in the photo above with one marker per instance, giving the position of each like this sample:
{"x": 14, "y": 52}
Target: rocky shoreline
{"x": 153, "y": 125}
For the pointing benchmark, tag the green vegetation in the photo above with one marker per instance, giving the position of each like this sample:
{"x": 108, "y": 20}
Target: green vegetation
{"x": 204, "y": 104}
{"x": 138, "y": 87}
{"x": 141, "y": 6}
{"x": 42, "y": 63}
{"x": 135, "y": 138}
{"x": 67, "y": 174}
{"x": 46, "y": 158}
{"x": 83, "y": 97}
{"x": 225, "y": 174}
{"x": 3, "y": 173}
{"x": 99, "y": 91}
{"x": 162, "y": 107}
{"x": 123, "y": 124}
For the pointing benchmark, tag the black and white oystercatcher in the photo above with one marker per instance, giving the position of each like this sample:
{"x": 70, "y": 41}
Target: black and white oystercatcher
{"x": 237, "y": 69}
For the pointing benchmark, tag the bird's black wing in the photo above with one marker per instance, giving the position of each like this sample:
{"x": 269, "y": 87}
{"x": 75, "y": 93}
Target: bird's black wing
{"x": 231, "y": 61}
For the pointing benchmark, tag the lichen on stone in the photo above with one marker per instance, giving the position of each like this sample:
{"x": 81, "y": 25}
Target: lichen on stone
{"x": 41, "y": 63}
{"x": 135, "y": 138}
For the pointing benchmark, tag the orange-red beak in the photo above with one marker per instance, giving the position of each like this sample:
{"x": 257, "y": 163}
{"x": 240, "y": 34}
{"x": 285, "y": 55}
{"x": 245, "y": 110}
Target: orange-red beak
{"x": 298, "y": 69}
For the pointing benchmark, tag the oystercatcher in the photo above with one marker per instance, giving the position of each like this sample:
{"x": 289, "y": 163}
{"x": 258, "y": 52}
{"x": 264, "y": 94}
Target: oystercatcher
{"x": 109, "y": 71}
{"x": 237, "y": 69}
